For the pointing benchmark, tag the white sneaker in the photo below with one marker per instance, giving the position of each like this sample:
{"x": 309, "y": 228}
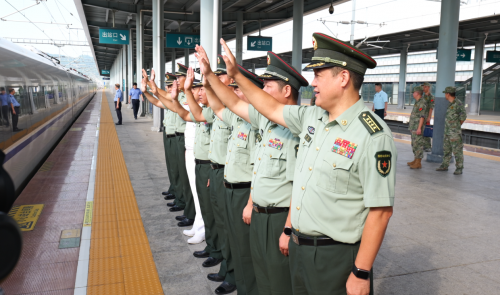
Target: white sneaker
{"x": 197, "y": 238}
{"x": 189, "y": 232}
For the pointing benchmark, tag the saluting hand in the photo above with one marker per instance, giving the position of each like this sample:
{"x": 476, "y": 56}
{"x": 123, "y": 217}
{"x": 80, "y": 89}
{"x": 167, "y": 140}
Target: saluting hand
{"x": 231, "y": 64}
{"x": 143, "y": 85}
{"x": 284, "y": 240}
{"x": 188, "y": 84}
{"x": 144, "y": 75}
{"x": 152, "y": 83}
{"x": 175, "y": 91}
{"x": 357, "y": 286}
{"x": 202, "y": 57}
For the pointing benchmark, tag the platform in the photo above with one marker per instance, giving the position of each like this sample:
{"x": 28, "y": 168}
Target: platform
{"x": 442, "y": 239}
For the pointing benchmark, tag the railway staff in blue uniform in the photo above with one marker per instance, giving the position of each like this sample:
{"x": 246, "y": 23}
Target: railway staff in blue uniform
{"x": 118, "y": 103}
{"x": 380, "y": 101}
{"x": 4, "y": 98}
{"x": 134, "y": 95}
{"x": 15, "y": 106}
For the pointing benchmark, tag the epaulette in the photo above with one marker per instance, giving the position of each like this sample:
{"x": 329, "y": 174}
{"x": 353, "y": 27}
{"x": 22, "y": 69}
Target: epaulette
{"x": 371, "y": 124}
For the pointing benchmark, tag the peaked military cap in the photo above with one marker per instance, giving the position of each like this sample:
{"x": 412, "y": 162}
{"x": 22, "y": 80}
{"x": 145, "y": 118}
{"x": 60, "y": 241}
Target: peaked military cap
{"x": 330, "y": 52}
{"x": 418, "y": 88}
{"x": 197, "y": 83}
{"x": 426, "y": 84}
{"x": 278, "y": 69}
{"x": 450, "y": 89}
{"x": 250, "y": 76}
{"x": 169, "y": 79}
{"x": 221, "y": 66}
{"x": 182, "y": 70}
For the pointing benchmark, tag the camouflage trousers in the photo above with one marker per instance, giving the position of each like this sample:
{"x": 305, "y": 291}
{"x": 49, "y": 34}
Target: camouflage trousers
{"x": 427, "y": 142}
{"x": 453, "y": 144}
{"x": 417, "y": 144}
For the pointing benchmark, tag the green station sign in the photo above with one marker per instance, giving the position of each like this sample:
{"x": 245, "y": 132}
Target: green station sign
{"x": 493, "y": 56}
{"x": 182, "y": 40}
{"x": 462, "y": 54}
{"x": 104, "y": 72}
{"x": 259, "y": 43}
{"x": 113, "y": 36}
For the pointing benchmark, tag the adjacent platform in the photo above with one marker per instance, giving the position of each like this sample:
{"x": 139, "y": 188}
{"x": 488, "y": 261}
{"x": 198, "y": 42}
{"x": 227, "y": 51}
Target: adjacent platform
{"x": 442, "y": 239}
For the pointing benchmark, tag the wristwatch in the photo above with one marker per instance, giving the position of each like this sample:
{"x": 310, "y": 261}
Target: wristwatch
{"x": 287, "y": 231}
{"x": 360, "y": 273}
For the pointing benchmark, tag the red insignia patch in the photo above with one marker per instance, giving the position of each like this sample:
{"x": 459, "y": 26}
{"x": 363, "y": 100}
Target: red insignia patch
{"x": 420, "y": 109}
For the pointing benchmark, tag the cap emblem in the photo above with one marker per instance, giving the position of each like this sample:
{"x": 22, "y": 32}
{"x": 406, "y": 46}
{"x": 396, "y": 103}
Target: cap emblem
{"x": 178, "y": 67}
{"x": 315, "y": 44}
{"x": 268, "y": 60}
{"x": 218, "y": 60}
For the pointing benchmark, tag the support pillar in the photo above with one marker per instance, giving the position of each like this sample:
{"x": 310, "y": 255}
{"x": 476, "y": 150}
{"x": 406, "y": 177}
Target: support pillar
{"x": 139, "y": 58}
{"x": 402, "y": 78}
{"x": 448, "y": 38}
{"x": 253, "y": 68}
{"x": 239, "y": 37}
{"x": 158, "y": 53}
{"x": 186, "y": 57}
{"x": 125, "y": 87}
{"x": 209, "y": 29}
{"x": 174, "y": 57}
{"x": 477, "y": 77}
{"x": 298, "y": 19}
{"x": 130, "y": 65}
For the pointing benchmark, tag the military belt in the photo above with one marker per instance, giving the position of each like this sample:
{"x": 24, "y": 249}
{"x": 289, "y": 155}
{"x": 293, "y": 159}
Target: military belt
{"x": 179, "y": 133}
{"x": 315, "y": 241}
{"x": 170, "y": 135}
{"x": 202, "y": 161}
{"x": 238, "y": 185}
{"x": 216, "y": 166}
{"x": 269, "y": 210}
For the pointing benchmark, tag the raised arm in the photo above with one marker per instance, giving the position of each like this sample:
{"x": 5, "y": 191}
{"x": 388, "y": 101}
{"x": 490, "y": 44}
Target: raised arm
{"x": 261, "y": 100}
{"x": 149, "y": 97}
{"x": 213, "y": 100}
{"x": 223, "y": 92}
{"x": 182, "y": 112}
{"x": 163, "y": 96}
{"x": 194, "y": 107}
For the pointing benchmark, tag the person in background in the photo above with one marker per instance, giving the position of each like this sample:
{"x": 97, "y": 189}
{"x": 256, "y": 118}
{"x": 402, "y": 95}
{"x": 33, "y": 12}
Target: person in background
{"x": 15, "y": 110}
{"x": 4, "y": 99}
{"x": 416, "y": 126}
{"x": 380, "y": 101}
{"x": 118, "y": 103}
{"x": 430, "y": 106}
{"x": 452, "y": 143}
{"x": 134, "y": 95}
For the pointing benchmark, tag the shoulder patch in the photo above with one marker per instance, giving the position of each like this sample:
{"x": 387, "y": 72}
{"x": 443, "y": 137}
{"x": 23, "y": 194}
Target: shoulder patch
{"x": 371, "y": 124}
{"x": 383, "y": 162}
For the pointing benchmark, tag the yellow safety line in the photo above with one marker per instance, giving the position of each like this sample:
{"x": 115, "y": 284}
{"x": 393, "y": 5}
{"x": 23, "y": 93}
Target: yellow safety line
{"x": 472, "y": 154}
{"x": 121, "y": 261}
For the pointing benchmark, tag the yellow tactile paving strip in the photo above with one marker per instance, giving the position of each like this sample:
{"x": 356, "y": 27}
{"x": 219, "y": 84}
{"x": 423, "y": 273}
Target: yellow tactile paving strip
{"x": 121, "y": 261}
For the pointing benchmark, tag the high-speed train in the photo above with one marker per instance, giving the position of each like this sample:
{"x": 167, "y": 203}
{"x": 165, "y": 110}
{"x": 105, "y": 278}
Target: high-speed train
{"x": 51, "y": 99}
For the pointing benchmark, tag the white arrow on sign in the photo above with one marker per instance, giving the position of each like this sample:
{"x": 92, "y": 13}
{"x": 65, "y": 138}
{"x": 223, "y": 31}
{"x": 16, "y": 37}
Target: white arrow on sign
{"x": 123, "y": 37}
{"x": 188, "y": 40}
{"x": 179, "y": 41}
{"x": 252, "y": 44}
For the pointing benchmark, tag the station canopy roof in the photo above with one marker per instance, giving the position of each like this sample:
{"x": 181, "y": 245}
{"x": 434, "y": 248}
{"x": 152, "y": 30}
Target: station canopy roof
{"x": 181, "y": 16}
{"x": 422, "y": 39}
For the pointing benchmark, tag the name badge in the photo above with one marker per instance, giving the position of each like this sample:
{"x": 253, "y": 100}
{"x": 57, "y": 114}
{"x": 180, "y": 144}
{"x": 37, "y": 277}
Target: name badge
{"x": 344, "y": 147}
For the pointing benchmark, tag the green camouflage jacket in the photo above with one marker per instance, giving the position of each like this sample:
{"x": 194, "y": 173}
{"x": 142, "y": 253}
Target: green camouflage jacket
{"x": 420, "y": 110}
{"x": 454, "y": 114}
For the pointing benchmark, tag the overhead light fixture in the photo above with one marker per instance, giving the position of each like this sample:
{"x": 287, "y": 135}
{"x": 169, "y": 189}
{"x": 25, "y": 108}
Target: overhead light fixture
{"x": 494, "y": 21}
{"x": 330, "y": 10}
{"x": 407, "y": 35}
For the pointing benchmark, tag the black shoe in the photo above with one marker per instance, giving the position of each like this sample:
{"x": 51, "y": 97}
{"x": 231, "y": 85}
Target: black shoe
{"x": 201, "y": 254}
{"x": 118, "y": 123}
{"x": 215, "y": 277}
{"x": 225, "y": 288}
{"x": 210, "y": 262}
{"x": 169, "y": 197}
{"x": 135, "y": 118}
{"x": 17, "y": 130}
{"x": 185, "y": 222}
{"x": 180, "y": 217}
{"x": 166, "y": 193}
{"x": 175, "y": 209}
{"x": 172, "y": 204}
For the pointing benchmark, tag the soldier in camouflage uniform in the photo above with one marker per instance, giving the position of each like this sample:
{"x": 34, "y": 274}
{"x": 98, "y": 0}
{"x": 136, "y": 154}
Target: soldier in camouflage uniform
{"x": 430, "y": 107}
{"x": 416, "y": 126}
{"x": 452, "y": 143}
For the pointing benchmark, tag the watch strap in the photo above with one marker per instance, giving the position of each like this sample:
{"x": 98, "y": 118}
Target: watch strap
{"x": 360, "y": 273}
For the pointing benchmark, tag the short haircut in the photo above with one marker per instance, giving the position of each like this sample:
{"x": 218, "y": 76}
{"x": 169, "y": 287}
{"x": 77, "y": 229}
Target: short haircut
{"x": 378, "y": 84}
{"x": 135, "y": 84}
{"x": 2, "y": 89}
{"x": 356, "y": 79}
{"x": 295, "y": 92}
{"x": 11, "y": 89}
{"x": 117, "y": 85}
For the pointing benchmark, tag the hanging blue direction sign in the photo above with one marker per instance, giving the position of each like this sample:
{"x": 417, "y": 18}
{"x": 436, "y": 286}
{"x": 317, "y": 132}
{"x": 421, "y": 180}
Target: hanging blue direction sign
{"x": 104, "y": 72}
{"x": 182, "y": 40}
{"x": 493, "y": 56}
{"x": 259, "y": 43}
{"x": 113, "y": 36}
